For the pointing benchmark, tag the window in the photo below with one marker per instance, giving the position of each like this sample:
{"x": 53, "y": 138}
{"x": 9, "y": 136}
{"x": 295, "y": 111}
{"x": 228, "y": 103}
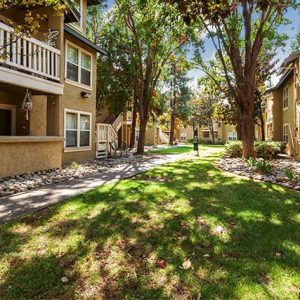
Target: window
{"x": 232, "y": 136}
{"x": 286, "y": 133}
{"x": 77, "y": 6}
{"x": 205, "y": 134}
{"x": 78, "y": 65}
{"x": 77, "y": 129}
{"x": 183, "y": 136}
{"x": 286, "y": 97}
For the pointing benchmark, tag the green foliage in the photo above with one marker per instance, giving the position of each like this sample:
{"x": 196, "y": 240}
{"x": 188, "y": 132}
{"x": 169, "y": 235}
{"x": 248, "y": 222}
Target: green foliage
{"x": 169, "y": 213}
{"x": 295, "y": 45}
{"x": 289, "y": 173}
{"x": 264, "y": 149}
{"x": 263, "y": 166}
{"x": 268, "y": 149}
{"x": 251, "y": 162}
{"x": 234, "y": 149}
{"x": 74, "y": 165}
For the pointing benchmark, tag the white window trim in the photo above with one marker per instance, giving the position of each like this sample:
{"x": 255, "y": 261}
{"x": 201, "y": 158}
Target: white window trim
{"x": 287, "y": 134}
{"x": 80, "y": 26}
{"x": 12, "y": 108}
{"x": 286, "y": 88}
{"x": 78, "y": 148}
{"x": 78, "y": 83}
{"x": 233, "y": 136}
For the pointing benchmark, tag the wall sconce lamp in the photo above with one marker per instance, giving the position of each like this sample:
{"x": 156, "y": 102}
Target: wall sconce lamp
{"x": 85, "y": 95}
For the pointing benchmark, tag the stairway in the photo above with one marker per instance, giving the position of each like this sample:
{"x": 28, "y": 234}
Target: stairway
{"x": 107, "y": 138}
{"x": 164, "y": 138}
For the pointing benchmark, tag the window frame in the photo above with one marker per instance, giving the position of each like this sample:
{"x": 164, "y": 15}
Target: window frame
{"x": 285, "y": 98}
{"x": 207, "y": 133}
{"x": 80, "y": 51}
{"x": 78, "y": 147}
{"x": 286, "y": 125}
{"x": 232, "y": 136}
{"x": 183, "y": 136}
{"x": 74, "y": 24}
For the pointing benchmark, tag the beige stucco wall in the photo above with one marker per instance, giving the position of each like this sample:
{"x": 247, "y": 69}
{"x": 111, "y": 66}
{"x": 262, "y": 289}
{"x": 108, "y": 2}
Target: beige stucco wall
{"x": 29, "y": 154}
{"x": 72, "y": 100}
{"x": 151, "y": 135}
{"x": 38, "y": 116}
{"x": 188, "y": 130}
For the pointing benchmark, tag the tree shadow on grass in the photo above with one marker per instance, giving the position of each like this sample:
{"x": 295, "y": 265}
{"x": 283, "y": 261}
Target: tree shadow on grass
{"x": 109, "y": 240}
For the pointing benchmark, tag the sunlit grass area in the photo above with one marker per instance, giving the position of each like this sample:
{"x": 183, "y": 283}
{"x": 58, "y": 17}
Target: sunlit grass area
{"x": 186, "y": 148}
{"x": 173, "y": 149}
{"x": 128, "y": 240}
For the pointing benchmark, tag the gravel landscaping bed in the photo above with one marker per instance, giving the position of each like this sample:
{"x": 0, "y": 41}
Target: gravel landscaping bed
{"x": 30, "y": 181}
{"x": 278, "y": 175}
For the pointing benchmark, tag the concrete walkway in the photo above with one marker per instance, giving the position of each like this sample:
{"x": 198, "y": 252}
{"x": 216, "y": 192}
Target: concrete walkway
{"x": 25, "y": 203}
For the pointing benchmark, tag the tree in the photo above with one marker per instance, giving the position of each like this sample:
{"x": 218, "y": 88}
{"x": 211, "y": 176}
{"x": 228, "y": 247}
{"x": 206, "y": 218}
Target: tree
{"x": 203, "y": 112}
{"x": 295, "y": 44}
{"x": 155, "y": 33}
{"x": 178, "y": 92}
{"x": 233, "y": 26}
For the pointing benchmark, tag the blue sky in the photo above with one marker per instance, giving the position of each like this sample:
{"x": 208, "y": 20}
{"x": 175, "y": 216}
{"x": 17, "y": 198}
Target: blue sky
{"x": 290, "y": 30}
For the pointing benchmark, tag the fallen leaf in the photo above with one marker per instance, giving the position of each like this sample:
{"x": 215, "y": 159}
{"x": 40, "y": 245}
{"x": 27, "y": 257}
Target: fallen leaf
{"x": 64, "y": 279}
{"x": 187, "y": 264}
{"x": 161, "y": 263}
{"x": 219, "y": 230}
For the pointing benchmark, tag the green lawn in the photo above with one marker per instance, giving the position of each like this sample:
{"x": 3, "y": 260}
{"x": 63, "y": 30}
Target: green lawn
{"x": 173, "y": 150}
{"x": 107, "y": 243}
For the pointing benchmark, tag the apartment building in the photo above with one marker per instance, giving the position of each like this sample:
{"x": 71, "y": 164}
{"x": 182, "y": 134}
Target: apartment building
{"x": 48, "y": 91}
{"x": 282, "y": 107}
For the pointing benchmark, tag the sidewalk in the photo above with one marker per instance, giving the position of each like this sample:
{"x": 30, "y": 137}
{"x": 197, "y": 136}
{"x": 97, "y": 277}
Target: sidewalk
{"x": 25, "y": 203}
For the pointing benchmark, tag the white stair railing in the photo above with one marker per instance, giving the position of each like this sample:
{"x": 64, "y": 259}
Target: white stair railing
{"x": 106, "y": 135}
{"x": 164, "y": 137}
{"x": 28, "y": 54}
{"x": 118, "y": 122}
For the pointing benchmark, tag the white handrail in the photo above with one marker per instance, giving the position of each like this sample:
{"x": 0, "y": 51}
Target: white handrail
{"x": 28, "y": 54}
{"x": 118, "y": 122}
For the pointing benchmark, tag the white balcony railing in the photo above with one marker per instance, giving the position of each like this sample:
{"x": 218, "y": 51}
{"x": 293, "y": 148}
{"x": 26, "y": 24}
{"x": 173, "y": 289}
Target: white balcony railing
{"x": 28, "y": 55}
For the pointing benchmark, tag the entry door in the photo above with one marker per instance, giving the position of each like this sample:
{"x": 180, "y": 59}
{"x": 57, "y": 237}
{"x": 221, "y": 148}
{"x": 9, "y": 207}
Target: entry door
{"x": 5, "y": 121}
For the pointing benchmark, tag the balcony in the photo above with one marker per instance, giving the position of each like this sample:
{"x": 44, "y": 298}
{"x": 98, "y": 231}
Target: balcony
{"x": 29, "y": 63}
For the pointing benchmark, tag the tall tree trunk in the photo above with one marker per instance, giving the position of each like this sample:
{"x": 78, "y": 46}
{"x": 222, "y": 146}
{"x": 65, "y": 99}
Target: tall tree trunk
{"x": 142, "y": 136}
{"x": 133, "y": 126}
{"x": 248, "y": 127}
{"x": 262, "y": 126}
{"x": 239, "y": 132}
{"x": 172, "y": 104}
{"x": 172, "y": 128}
{"x": 211, "y": 128}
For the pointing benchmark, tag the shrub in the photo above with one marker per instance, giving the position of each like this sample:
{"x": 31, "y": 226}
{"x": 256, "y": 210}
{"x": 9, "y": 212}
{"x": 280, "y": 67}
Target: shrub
{"x": 289, "y": 173}
{"x": 263, "y": 166}
{"x": 251, "y": 162}
{"x": 74, "y": 165}
{"x": 268, "y": 149}
{"x": 234, "y": 149}
{"x": 264, "y": 149}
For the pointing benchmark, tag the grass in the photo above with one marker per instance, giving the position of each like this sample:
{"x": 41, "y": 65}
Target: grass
{"x": 184, "y": 149}
{"x": 107, "y": 242}
{"x": 173, "y": 150}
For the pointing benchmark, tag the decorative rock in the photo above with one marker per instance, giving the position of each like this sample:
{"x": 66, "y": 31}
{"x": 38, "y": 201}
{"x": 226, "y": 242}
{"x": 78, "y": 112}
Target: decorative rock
{"x": 30, "y": 181}
{"x": 279, "y": 166}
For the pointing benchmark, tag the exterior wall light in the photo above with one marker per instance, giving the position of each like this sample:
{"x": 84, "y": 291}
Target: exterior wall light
{"x": 85, "y": 95}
